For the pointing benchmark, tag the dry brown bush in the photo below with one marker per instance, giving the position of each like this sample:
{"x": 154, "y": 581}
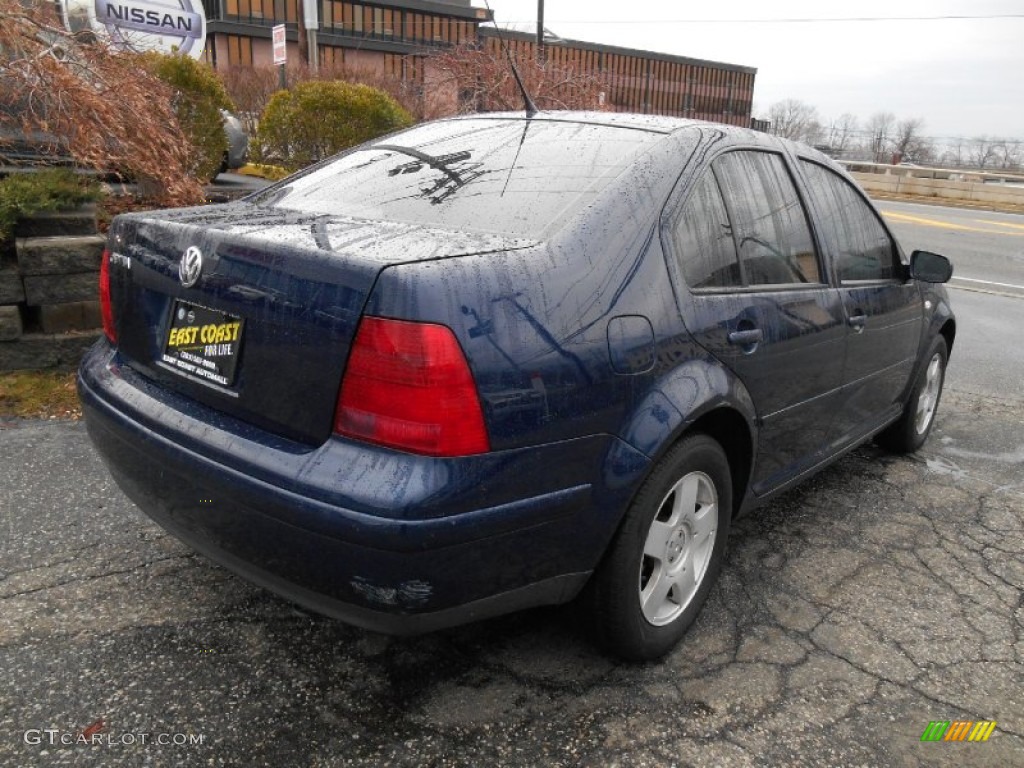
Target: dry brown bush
{"x": 484, "y": 83}
{"x": 459, "y": 80}
{"x": 251, "y": 89}
{"x": 84, "y": 99}
{"x": 482, "y": 79}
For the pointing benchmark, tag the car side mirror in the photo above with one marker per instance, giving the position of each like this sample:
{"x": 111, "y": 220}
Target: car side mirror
{"x": 930, "y": 267}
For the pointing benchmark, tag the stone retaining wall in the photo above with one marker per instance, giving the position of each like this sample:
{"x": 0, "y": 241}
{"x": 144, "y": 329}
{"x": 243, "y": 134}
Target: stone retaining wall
{"x": 49, "y": 285}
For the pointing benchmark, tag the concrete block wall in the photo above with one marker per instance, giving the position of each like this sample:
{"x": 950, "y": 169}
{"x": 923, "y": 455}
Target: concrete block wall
{"x": 49, "y": 291}
{"x": 940, "y": 188}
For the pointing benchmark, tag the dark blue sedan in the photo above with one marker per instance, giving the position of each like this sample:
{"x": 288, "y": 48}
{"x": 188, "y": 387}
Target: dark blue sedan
{"x": 503, "y": 361}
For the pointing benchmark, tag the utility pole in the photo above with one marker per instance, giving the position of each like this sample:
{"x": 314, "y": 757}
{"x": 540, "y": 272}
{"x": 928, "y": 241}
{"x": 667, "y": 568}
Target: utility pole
{"x": 307, "y": 29}
{"x": 541, "y": 53}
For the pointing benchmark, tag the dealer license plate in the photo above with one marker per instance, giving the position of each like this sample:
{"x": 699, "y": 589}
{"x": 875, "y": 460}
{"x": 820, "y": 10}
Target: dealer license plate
{"x": 203, "y": 343}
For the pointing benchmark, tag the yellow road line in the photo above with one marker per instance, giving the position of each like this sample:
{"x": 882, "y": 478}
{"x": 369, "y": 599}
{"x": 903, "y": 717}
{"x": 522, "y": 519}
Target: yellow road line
{"x": 1000, "y": 223}
{"x": 947, "y": 225}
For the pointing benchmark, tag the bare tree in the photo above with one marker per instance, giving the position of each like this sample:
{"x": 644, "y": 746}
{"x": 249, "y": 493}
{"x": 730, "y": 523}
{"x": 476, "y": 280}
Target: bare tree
{"x": 841, "y": 132}
{"x": 1014, "y": 155}
{"x": 102, "y": 107}
{"x": 250, "y": 88}
{"x": 1007, "y": 153}
{"x": 794, "y": 119}
{"x": 909, "y": 144}
{"x": 981, "y": 151}
{"x": 954, "y": 154}
{"x": 814, "y": 134}
{"x": 879, "y": 130}
{"x": 484, "y": 82}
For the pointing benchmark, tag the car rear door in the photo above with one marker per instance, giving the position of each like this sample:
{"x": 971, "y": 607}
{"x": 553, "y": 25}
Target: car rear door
{"x": 758, "y": 301}
{"x": 882, "y": 307}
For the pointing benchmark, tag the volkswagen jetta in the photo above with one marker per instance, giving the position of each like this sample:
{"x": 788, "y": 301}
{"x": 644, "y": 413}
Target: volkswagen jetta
{"x": 500, "y": 361}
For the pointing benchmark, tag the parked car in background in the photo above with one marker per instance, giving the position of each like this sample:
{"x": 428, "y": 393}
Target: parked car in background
{"x": 39, "y": 149}
{"x": 500, "y": 361}
{"x": 238, "y": 143}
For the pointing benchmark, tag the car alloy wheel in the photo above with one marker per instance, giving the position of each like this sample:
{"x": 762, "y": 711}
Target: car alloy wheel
{"x": 928, "y": 399}
{"x": 667, "y": 553}
{"x": 678, "y": 548}
{"x": 909, "y": 432}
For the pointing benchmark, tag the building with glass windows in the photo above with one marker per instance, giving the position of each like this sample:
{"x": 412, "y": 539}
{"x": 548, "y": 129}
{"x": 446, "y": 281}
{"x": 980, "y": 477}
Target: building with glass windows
{"x": 395, "y": 38}
{"x": 646, "y": 82}
{"x": 371, "y": 35}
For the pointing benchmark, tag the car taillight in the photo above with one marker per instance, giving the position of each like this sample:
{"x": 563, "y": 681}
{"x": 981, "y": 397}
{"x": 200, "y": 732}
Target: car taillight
{"x": 408, "y": 386}
{"x": 105, "y": 309}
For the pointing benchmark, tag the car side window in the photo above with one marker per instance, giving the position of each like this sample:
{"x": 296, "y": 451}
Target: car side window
{"x": 858, "y": 242}
{"x": 704, "y": 241}
{"x": 769, "y": 222}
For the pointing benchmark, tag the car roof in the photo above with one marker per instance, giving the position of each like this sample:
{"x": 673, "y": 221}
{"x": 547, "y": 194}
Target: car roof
{"x": 652, "y": 123}
{"x": 655, "y": 124}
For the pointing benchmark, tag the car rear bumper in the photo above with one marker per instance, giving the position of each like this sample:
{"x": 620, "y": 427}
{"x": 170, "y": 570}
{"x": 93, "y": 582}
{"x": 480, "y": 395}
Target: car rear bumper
{"x": 383, "y": 540}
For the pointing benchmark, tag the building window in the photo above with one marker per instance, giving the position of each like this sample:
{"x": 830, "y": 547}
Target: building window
{"x": 239, "y": 50}
{"x": 210, "y": 51}
{"x": 361, "y": 20}
{"x": 262, "y": 11}
{"x": 412, "y": 69}
{"x": 332, "y": 57}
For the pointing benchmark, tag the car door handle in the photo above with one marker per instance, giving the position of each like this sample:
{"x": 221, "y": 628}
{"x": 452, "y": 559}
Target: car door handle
{"x": 746, "y": 338}
{"x": 857, "y": 322}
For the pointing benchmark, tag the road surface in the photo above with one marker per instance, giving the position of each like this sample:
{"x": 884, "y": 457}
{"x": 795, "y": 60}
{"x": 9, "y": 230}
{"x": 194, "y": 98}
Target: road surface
{"x": 987, "y": 290}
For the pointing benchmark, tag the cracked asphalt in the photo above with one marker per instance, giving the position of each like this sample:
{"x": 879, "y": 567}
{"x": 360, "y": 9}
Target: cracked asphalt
{"x": 884, "y": 594}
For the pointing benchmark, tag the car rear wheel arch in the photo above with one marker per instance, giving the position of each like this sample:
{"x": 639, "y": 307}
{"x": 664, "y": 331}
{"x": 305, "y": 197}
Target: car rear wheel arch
{"x": 726, "y": 426}
{"x": 730, "y": 430}
{"x": 948, "y": 332}
{"x": 910, "y": 431}
{"x": 610, "y": 602}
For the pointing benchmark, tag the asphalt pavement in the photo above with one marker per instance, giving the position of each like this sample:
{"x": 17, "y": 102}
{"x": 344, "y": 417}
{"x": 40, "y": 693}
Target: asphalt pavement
{"x": 987, "y": 290}
{"x": 986, "y": 248}
{"x": 882, "y": 596}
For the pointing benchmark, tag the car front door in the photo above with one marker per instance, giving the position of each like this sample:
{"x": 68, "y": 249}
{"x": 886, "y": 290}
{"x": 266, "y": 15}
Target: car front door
{"x": 758, "y": 301}
{"x": 883, "y": 308}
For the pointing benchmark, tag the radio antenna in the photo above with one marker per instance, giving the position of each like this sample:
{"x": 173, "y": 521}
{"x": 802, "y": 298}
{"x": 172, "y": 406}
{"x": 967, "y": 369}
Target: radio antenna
{"x": 531, "y": 108}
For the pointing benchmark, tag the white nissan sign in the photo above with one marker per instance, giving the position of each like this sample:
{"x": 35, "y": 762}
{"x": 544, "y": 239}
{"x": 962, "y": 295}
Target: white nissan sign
{"x": 142, "y": 25}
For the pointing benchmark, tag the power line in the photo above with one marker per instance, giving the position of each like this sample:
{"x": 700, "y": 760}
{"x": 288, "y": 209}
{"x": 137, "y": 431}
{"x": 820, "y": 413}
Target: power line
{"x": 865, "y": 133}
{"x": 794, "y": 20}
{"x": 990, "y": 138}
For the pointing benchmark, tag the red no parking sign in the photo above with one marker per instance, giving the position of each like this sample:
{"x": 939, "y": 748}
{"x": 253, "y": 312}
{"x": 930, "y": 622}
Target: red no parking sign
{"x": 280, "y": 46}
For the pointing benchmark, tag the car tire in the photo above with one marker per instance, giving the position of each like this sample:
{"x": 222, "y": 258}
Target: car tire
{"x": 909, "y": 432}
{"x": 666, "y": 555}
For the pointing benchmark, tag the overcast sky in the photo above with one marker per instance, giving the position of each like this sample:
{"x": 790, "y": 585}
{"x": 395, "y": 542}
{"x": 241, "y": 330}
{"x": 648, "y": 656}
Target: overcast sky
{"x": 962, "y": 76}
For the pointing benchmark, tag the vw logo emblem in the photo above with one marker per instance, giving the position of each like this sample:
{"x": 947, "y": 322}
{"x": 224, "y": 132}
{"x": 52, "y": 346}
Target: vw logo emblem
{"x": 190, "y": 267}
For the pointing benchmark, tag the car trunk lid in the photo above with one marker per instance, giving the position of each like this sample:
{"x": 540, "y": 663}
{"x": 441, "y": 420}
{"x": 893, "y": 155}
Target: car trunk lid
{"x": 263, "y": 332}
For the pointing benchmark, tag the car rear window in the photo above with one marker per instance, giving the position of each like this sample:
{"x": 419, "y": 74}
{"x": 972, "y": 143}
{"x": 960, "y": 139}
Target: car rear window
{"x": 513, "y": 177}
